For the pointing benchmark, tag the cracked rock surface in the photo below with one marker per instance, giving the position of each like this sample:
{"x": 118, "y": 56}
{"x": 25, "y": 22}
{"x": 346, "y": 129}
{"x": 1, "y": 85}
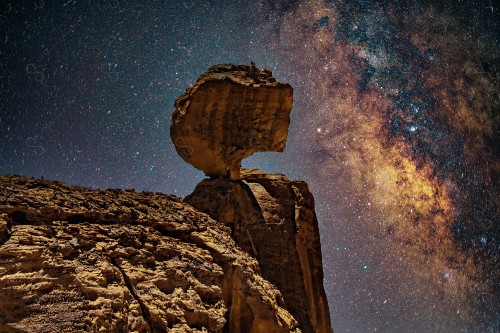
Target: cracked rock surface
{"x": 74, "y": 259}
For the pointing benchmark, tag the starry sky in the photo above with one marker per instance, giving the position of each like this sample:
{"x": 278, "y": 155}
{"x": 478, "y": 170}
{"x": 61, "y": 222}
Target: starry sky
{"x": 395, "y": 127}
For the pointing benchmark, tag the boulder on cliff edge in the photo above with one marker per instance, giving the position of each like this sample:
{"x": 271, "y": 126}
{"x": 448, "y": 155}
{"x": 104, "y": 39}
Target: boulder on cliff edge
{"x": 231, "y": 112}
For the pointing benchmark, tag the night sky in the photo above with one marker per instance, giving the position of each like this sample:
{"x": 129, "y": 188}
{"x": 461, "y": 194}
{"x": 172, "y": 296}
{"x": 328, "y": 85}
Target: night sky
{"x": 395, "y": 127}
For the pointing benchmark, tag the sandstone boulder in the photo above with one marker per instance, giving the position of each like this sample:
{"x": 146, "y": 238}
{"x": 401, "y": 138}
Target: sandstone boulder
{"x": 230, "y": 113}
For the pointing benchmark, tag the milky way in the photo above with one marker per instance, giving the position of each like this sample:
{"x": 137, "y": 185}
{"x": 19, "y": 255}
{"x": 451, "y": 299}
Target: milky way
{"x": 404, "y": 108}
{"x": 395, "y": 128}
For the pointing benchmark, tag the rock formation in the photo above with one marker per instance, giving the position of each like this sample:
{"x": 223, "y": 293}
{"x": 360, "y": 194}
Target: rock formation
{"x": 227, "y": 115}
{"x": 273, "y": 219}
{"x": 241, "y": 254}
{"x": 74, "y": 259}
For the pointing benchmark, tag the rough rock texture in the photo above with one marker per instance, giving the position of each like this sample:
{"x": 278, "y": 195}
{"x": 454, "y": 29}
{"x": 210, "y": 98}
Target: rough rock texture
{"x": 273, "y": 219}
{"x": 79, "y": 260}
{"x": 227, "y": 115}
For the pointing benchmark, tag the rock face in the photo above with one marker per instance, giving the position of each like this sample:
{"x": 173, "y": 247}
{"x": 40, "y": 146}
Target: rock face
{"x": 227, "y": 115}
{"x": 273, "y": 219}
{"x": 79, "y": 260}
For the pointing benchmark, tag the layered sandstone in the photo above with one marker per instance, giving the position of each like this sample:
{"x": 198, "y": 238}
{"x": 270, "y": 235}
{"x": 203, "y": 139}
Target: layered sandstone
{"x": 74, "y": 259}
{"x": 231, "y": 112}
{"x": 273, "y": 219}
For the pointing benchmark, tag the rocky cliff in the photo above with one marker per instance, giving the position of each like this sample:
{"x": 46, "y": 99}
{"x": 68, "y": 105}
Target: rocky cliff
{"x": 74, "y": 259}
{"x": 273, "y": 219}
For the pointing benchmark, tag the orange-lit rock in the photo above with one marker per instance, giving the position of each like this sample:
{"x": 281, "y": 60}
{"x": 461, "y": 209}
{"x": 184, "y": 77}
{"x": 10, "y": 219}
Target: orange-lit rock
{"x": 230, "y": 113}
{"x": 74, "y": 259}
{"x": 273, "y": 219}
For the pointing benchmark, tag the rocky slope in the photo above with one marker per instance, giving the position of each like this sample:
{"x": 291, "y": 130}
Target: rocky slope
{"x": 230, "y": 112}
{"x": 74, "y": 259}
{"x": 273, "y": 219}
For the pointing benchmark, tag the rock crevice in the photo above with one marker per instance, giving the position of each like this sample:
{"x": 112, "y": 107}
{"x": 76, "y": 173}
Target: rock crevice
{"x": 144, "y": 310}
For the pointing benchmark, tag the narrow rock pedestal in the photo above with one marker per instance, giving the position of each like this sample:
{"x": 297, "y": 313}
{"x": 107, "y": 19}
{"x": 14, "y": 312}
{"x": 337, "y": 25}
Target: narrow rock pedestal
{"x": 273, "y": 219}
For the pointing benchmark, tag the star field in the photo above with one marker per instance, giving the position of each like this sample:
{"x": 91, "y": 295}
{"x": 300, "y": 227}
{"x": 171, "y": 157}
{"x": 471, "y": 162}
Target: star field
{"x": 395, "y": 127}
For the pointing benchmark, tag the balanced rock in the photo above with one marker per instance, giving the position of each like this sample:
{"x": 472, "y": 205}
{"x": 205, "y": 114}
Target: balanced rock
{"x": 231, "y": 112}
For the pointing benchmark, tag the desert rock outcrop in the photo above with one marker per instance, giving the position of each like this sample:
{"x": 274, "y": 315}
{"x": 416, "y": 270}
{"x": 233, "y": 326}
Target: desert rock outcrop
{"x": 273, "y": 219}
{"x": 241, "y": 254}
{"x": 74, "y": 259}
{"x": 228, "y": 114}
{"x": 231, "y": 112}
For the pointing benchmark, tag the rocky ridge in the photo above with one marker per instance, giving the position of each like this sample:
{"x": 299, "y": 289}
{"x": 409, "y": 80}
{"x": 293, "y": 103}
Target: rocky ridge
{"x": 74, "y": 259}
